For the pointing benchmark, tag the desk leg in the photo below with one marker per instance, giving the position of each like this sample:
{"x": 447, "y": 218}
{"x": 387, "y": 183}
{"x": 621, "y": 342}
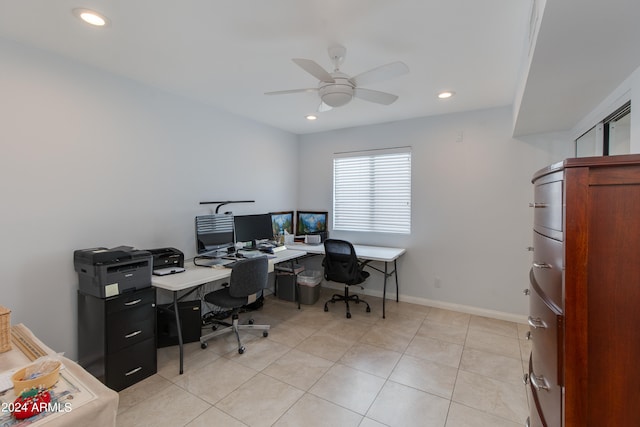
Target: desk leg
{"x": 175, "y": 308}
{"x": 384, "y": 289}
{"x": 296, "y": 287}
{"x": 395, "y": 272}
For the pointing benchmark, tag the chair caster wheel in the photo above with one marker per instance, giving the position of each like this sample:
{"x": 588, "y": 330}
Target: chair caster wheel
{"x": 326, "y": 308}
{"x": 214, "y": 328}
{"x": 241, "y": 350}
{"x": 251, "y": 321}
{"x": 348, "y": 315}
{"x": 203, "y": 345}
{"x": 368, "y": 309}
{"x": 265, "y": 334}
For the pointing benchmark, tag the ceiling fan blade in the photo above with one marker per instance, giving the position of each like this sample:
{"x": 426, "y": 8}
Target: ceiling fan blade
{"x": 323, "y": 108}
{"x": 383, "y": 72}
{"x": 374, "y": 96}
{"x": 284, "y": 92}
{"x": 314, "y": 69}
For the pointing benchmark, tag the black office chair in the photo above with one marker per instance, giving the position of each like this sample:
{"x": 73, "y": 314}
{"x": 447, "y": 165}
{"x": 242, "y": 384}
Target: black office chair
{"x": 248, "y": 279}
{"x": 341, "y": 265}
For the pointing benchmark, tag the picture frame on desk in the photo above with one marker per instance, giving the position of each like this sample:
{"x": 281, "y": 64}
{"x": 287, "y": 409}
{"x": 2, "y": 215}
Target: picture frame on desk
{"x": 312, "y": 223}
{"x": 282, "y": 222}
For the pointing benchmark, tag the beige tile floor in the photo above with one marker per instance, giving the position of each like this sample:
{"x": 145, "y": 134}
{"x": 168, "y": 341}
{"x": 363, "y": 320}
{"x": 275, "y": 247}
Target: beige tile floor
{"x": 420, "y": 366}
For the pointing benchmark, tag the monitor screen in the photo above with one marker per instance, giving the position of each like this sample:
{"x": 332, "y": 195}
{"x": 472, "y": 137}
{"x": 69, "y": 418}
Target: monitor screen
{"x": 253, "y": 227}
{"x": 213, "y": 233}
{"x": 311, "y": 222}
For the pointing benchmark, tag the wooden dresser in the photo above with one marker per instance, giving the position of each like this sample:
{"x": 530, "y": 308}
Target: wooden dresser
{"x": 584, "y": 368}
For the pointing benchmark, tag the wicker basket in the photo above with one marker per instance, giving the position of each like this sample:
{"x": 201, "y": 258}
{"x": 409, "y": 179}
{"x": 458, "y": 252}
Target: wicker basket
{"x": 5, "y": 329}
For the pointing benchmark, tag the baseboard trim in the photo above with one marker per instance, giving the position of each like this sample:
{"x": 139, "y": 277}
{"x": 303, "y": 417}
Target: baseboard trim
{"x": 477, "y": 311}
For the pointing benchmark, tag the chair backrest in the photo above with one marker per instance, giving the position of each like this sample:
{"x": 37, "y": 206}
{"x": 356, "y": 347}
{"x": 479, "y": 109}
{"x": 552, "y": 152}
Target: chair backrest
{"x": 248, "y": 277}
{"x": 340, "y": 262}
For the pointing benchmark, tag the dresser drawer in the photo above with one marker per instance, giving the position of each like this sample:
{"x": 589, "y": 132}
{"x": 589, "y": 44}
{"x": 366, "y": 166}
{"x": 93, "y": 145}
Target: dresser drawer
{"x": 548, "y": 263}
{"x": 547, "y": 205}
{"x": 130, "y": 327}
{"x": 133, "y": 300}
{"x": 131, "y": 364}
{"x": 546, "y": 325}
{"x": 545, "y": 406}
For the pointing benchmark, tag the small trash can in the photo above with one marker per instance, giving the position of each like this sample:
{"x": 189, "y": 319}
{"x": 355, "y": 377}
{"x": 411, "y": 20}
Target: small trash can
{"x": 309, "y": 286}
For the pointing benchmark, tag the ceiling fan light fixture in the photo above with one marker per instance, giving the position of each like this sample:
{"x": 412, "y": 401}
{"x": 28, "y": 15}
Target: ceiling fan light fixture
{"x": 336, "y": 99}
{"x": 336, "y": 94}
{"x": 91, "y": 17}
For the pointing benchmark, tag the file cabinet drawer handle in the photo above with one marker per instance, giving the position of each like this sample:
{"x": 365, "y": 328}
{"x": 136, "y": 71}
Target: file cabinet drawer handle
{"x": 536, "y": 323}
{"x": 134, "y": 302}
{"x": 133, "y": 371}
{"x": 133, "y": 334}
{"x": 541, "y": 265}
{"x": 538, "y": 205}
{"x": 539, "y": 382}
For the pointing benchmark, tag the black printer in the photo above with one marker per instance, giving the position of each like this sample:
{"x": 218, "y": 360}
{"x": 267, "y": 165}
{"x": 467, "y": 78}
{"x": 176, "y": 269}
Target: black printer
{"x": 106, "y": 272}
{"x": 166, "y": 257}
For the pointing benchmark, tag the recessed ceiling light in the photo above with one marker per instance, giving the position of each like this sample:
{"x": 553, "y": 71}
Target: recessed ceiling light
{"x": 446, "y": 94}
{"x": 91, "y": 17}
{"x": 311, "y": 117}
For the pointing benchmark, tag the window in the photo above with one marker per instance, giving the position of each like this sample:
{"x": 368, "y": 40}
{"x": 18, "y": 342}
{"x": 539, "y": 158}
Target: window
{"x": 372, "y": 191}
{"x": 609, "y": 137}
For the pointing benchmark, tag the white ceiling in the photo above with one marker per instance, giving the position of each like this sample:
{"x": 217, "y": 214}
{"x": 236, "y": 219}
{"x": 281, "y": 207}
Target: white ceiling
{"x": 228, "y": 53}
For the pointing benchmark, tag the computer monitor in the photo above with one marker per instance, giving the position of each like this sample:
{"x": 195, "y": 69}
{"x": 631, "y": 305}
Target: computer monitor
{"x": 250, "y": 228}
{"x": 214, "y": 233}
{"x": 309, "y": 222}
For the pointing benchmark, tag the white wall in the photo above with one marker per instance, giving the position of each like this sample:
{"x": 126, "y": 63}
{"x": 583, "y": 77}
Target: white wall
{"x": 471, "y": 222}
{"x": 90, "y": 159}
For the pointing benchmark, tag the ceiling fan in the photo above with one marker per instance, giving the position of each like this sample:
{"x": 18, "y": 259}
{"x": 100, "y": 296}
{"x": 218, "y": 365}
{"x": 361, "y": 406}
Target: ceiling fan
{"x": 337, "y": 89}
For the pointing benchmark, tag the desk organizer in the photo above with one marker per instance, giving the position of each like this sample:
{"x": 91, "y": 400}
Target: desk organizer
{"x": 5, "y": 329}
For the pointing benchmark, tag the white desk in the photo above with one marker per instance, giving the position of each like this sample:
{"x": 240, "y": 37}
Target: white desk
{"x": 194, "y": 277}
{"x": 366, "y": 254}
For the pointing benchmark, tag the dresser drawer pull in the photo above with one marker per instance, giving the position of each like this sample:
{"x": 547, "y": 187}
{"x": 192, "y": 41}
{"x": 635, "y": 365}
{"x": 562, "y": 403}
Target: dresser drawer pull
{"x": 536, "y": 323}
{"x": 538, "y": 205}
{"x": 527, "y": 423}
{"x": 541, "y": 265}
{"x": 525, "y": 379}
{"x": 539, "y": 382}
{"x": 133, "y": 334}
{"x": 134, "y": 302}
{"x": 133, "y": 371}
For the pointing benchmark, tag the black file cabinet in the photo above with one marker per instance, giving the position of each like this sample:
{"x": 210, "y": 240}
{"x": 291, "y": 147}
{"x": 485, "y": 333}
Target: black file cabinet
{"x": 117, "y": 337}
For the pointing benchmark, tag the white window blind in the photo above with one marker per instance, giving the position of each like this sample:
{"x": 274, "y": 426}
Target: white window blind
{"x": 372, "y": 191}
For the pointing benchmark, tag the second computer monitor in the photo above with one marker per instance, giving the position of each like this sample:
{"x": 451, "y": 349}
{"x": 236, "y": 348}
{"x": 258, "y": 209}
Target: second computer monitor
{"x": 250, "y": 228}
